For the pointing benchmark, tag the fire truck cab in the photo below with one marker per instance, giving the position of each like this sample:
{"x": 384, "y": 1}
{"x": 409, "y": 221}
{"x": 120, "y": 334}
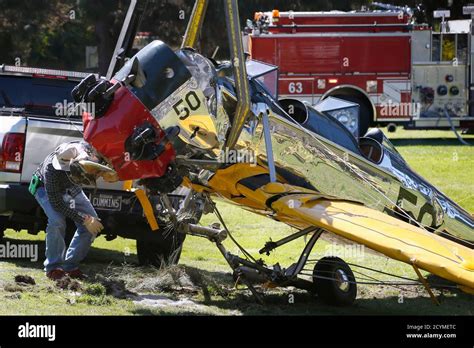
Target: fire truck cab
{"x": 399, "y": 72}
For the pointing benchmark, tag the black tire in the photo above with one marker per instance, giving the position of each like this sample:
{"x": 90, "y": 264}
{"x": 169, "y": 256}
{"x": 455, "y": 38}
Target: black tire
{"x": 338, "y": 287}
{"x": 364, "y": 112}
{"x": 160, "y": 253}
{"x": 166, "y": 249}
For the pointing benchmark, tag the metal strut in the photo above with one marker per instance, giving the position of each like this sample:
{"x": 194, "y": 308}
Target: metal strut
{"x": 425, "y": 283}
{"x": 231, "y": 9}
{"x": 269, "y": 147}
{"x": 124, "y": 43}
{"x": 296, "y": 268}
{"x": 237, "y": 57}
{"x": 195, "y": 24}
{"x": 269, "y": 246}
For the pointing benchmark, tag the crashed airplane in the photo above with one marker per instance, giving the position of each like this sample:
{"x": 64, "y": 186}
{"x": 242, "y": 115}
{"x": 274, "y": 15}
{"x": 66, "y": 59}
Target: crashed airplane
{"x": 166, "y": 118}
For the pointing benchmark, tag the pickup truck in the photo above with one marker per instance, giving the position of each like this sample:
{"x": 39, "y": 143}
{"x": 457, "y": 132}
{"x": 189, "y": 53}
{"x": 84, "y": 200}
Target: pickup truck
{"x": 30, "y": 128}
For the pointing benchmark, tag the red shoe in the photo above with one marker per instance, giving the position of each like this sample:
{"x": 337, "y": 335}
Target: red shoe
{"x": 56, "y": 274}
{"x": 76, "y": 274}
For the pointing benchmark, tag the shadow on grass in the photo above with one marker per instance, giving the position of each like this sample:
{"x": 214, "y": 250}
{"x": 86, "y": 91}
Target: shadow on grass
{"x": 308, "y": 305}
{"x": 217, "y": 290}
{"x": 97, "y": 257}
{"x": 277, "y": 301}
{"x": 430, "y": 142}
{"x": 154, "y": 312}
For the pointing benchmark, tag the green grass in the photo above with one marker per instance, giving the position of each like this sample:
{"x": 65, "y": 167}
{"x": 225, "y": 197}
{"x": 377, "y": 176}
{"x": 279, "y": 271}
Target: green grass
{"x": 439, "y": 158}
{"x": 436, "y": 155}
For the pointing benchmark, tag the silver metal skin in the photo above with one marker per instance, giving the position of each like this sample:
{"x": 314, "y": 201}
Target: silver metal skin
{"x": 335, "y": 171}
{"x": 386, "y": 183}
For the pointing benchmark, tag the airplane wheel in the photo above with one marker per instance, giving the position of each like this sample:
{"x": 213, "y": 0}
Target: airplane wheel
{"x": 160, "y": 253}
{"x": 338, "y": 287}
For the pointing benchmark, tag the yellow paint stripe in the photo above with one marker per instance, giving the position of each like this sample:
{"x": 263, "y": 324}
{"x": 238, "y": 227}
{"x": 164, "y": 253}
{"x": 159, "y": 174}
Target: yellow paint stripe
{"x": 195, "y": 24}
{"x": 147, "y": 208}
{"x": 144, "y": 202}
{"x": 127, "y": 185}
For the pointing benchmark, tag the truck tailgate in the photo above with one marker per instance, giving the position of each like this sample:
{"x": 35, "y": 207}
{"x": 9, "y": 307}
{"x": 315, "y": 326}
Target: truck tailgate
{"x": 43, "y": 136}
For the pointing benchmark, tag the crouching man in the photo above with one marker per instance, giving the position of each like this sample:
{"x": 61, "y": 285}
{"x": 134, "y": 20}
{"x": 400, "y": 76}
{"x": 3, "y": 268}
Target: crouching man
{"x": 56, "y": 185}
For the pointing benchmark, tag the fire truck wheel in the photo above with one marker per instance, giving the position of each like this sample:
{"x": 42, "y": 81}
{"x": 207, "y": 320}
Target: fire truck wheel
{"x": 160, "y": 253}
{"x": 364, "y": 112}
{"x": 334, "y": 282}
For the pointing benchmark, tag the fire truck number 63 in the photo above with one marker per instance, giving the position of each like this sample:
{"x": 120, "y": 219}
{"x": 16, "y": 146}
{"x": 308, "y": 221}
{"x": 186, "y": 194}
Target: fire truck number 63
{"x": 295, "y": 87}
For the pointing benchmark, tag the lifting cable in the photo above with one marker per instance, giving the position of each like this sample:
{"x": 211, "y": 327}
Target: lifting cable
{"x": 221, "y": 220}
{"x": 412, "y": 282}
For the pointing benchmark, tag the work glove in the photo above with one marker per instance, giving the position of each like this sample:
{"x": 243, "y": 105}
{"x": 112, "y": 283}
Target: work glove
{"x": 93, "y": 225}
{"x": 110, "y": 176}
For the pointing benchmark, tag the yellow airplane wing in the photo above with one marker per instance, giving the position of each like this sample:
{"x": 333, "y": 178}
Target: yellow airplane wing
{"x": 380, "y": 232}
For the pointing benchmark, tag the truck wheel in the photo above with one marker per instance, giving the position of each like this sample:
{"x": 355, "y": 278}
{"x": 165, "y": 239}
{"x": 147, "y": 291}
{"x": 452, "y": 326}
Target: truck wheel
{"x": 364, "y": 112}
{"x": 160, "y": 253}
{"x": 334, "y": 282}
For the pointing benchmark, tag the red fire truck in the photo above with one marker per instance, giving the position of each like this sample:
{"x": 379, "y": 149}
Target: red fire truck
{"x": 399, "y": 72}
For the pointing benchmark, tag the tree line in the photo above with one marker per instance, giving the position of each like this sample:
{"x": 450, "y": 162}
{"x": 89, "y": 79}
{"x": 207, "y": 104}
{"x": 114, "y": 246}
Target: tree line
{"x": 54, "y": 33}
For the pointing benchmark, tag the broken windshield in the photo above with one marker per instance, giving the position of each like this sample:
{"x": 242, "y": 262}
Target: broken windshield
{"x": 266, "y": 74}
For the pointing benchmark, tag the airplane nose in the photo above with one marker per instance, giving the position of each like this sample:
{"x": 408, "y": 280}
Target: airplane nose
{"x": 163, "y": 70}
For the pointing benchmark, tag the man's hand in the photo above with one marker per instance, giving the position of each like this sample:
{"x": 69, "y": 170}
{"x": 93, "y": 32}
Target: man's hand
{"x": 93, "y": 225}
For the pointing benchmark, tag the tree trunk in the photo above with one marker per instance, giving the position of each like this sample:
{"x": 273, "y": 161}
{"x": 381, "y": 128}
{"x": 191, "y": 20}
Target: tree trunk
{"x": 105, "y": 42}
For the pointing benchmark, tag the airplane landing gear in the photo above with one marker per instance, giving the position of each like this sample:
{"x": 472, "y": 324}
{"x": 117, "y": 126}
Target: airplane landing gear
{"x": 334, "y": 282}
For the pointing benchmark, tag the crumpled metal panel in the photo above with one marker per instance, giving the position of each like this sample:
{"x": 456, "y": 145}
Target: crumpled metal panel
{"x": 334, "y": 171}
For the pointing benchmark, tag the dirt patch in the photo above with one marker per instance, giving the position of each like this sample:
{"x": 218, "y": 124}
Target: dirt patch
{"x": 14, "y": 296}
{"x": 21, "y": 283}
{"x": 24, "y": 280}
{"x": 170, "y": 279}
{"x": 13, "y": 288}
{"x": 114, "y": 287}
{"x": 130, "y": 280}
{"x": 67, "y": 283}
{"x": 179, "y": 281}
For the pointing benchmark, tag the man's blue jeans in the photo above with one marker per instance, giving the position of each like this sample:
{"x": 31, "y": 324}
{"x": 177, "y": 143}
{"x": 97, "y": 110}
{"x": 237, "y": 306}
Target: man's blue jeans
{"x": 57, "y": 256}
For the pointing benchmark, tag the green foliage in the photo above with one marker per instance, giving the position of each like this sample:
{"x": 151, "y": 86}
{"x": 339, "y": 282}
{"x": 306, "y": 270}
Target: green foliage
{"x": 42, "y": 32}
{"x": 94, "y": 300}
{"x": 95, "y": 295}
{"x": 95, "y": 289}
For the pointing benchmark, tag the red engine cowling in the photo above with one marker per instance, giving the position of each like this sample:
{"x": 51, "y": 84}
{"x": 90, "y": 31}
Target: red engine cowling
{"x": 109, "y": 133}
